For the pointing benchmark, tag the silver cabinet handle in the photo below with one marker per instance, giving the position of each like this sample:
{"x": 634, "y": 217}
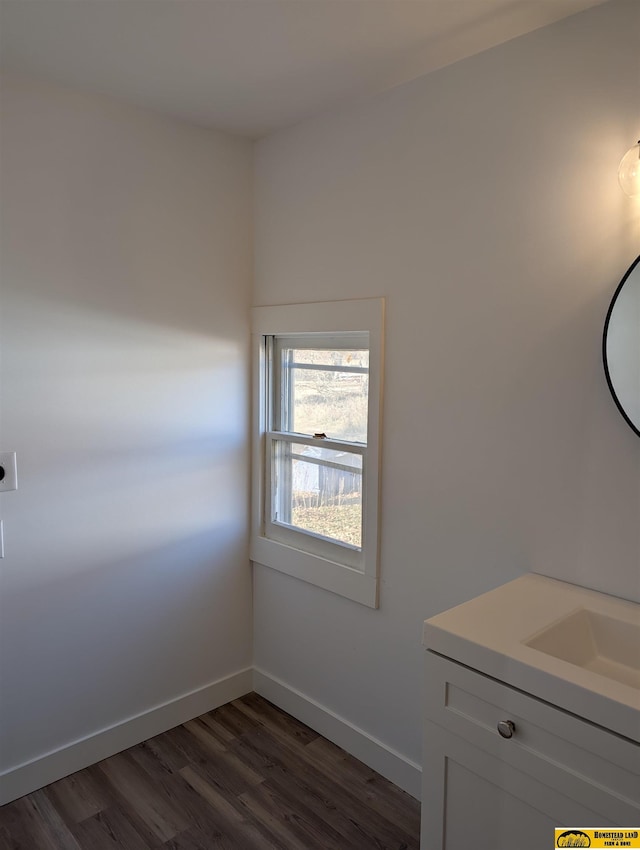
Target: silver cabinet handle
{"x": 506, "y": 728}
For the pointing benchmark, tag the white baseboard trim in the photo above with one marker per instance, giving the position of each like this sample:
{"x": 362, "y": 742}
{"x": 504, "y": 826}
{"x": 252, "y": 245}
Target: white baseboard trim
{"x": 391, "y": 764}
{"x": 29, "y": 776}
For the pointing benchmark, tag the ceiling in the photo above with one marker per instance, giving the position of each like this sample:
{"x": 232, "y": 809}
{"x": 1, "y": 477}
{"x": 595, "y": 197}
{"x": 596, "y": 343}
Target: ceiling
{"x": 253, "y": 66}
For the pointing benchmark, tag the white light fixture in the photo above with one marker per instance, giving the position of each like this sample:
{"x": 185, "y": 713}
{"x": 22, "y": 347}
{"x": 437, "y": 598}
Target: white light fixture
{"x": 629, "y": 172}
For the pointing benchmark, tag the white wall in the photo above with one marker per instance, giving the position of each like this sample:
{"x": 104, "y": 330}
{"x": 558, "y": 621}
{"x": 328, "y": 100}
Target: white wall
{"x": 126, "y": 269}
{"x": 482, "y": 201}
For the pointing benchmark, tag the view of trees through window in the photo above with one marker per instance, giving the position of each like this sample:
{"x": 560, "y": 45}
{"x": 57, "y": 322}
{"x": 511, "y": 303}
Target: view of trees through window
{"x": 327, "y": 393}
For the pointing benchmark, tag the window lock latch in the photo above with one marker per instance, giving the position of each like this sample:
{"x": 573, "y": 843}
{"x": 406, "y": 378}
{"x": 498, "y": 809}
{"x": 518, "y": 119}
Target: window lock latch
{"x": 320, "y": 436}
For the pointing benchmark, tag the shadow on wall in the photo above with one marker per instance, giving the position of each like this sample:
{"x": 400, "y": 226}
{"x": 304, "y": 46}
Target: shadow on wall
{"x": 113, "y": 634}
{"x": 146, "y": 434}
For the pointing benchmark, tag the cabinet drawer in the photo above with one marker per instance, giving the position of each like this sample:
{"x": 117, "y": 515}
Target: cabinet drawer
{"x": 598, "y": 768}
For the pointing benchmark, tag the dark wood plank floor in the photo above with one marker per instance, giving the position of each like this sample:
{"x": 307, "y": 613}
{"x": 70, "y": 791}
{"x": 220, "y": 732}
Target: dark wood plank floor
{"x": 246, "y": 776}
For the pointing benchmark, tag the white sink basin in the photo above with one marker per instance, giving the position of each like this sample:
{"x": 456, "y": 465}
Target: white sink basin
{"x": 567, "y": 645}
{"x": 595, "y": 642}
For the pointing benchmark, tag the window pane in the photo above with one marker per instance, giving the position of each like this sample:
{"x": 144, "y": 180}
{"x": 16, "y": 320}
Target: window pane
{"x": 319, "y": 490}
{"x": 325, "y": 391}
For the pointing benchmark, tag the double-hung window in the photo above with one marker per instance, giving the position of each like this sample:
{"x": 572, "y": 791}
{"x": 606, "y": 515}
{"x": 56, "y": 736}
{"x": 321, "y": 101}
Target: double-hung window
{"x": 317, "y": 396}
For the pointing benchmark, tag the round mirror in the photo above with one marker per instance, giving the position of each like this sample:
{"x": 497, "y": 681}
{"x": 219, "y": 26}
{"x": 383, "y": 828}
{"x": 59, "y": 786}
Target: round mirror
{"x": 621, "y": 346}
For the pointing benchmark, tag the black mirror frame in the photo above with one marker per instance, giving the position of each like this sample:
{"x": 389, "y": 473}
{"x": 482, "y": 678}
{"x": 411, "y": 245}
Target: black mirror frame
{"x": 604, "y": 346}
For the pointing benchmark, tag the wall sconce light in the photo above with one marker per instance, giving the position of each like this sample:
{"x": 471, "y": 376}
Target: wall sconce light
{"x": 629, "y": 172}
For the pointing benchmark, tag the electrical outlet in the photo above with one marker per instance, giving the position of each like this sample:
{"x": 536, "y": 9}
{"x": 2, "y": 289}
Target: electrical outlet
{"x": 8, "y": 471}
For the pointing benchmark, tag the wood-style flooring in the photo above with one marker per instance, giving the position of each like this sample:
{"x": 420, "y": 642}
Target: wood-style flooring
{"x": 246, "y": 776}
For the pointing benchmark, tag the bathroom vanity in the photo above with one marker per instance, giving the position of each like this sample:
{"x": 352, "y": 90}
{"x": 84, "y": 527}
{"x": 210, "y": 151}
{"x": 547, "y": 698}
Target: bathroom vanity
{"x": 532, "y": 717}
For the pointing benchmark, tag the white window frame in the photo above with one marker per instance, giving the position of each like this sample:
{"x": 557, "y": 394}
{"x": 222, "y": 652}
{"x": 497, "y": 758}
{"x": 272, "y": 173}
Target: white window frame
{"x": 330, "y": 565}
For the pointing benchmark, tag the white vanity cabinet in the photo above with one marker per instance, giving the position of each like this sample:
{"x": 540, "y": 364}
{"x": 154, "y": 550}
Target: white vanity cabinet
{"x": 525, "y": 734}
{"x": 482, "y": 790}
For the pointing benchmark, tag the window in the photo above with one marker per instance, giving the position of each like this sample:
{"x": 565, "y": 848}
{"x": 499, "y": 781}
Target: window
{"x": 317, "y": 394}
{"x": 316, "y": 446}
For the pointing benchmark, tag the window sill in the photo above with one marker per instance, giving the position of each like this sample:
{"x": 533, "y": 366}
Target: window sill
{"x": 336, "y": 578}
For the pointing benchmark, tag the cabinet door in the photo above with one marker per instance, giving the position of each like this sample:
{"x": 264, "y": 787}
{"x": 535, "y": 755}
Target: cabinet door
{"x": 473, "y": 800}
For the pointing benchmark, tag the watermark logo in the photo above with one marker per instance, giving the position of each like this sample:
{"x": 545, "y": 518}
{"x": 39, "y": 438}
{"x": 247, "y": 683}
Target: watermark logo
{"x": 597, "y": 837}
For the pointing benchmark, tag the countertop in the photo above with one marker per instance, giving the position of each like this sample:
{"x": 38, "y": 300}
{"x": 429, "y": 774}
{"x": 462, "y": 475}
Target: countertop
{"x": 488, "y": 634}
